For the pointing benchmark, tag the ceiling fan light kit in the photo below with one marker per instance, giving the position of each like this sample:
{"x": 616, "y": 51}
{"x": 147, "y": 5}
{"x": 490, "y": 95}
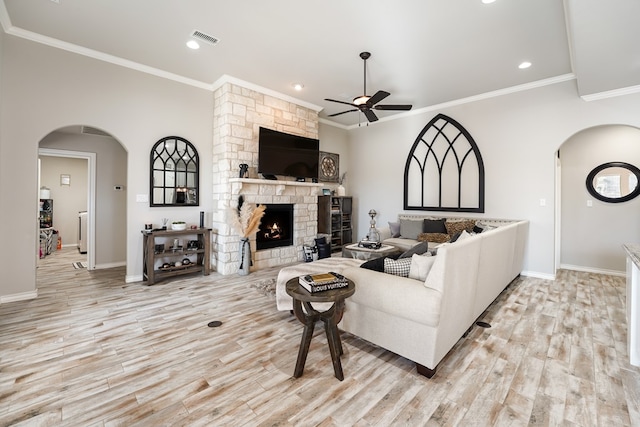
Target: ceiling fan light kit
{"x": 366, "y": 103}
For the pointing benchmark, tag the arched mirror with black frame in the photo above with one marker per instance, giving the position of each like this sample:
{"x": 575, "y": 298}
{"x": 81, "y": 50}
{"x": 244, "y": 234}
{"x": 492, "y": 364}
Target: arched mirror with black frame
{"x": 614, "y": 182}
{"x": 174, "y": 176}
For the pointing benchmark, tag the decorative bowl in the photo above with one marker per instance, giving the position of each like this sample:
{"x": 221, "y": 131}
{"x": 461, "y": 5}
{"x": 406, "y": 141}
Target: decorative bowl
{"x": 179, "y": 226}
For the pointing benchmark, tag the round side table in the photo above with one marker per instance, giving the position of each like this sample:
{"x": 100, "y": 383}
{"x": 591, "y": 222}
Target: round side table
{"x": 309, "y": 316}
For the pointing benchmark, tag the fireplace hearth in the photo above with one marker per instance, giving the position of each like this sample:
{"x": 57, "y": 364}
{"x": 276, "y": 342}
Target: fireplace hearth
{"x": 276, "y": 227}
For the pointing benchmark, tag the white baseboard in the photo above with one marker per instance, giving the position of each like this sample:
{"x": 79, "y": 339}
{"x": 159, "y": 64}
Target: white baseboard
{"x": 538, "y": 275}
{"x": 110, "y": 265}
{"x": 593, "y": 270}
{"x": 132, "y": 279}
{"x": 19, "y": 297}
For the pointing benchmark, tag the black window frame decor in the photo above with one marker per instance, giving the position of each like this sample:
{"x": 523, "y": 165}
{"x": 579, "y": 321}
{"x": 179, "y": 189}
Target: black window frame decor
{"x": 463, "y": 156}
{"x": 592, "y": 190}
{"x": 174, "y": 178}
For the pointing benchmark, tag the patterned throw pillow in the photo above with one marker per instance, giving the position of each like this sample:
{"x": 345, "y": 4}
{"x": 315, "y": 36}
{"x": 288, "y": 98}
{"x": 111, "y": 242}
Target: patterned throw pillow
{"x": 398, "y": 267}
{"x": 455, "y": 227}
{"x": 434, "y": 237}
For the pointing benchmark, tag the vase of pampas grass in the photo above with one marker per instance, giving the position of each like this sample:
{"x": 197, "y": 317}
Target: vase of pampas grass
{"x": 246, "y": 221}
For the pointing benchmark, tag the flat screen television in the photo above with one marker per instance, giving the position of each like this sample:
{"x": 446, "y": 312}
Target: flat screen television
{"x": 288, "y": 155}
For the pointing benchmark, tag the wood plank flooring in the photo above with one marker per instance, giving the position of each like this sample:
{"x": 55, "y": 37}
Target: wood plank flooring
{"x": 92, "y": 350}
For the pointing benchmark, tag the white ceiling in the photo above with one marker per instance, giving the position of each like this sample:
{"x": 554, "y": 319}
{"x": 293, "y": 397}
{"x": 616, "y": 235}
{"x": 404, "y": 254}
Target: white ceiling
{"x": 425, "y": 52}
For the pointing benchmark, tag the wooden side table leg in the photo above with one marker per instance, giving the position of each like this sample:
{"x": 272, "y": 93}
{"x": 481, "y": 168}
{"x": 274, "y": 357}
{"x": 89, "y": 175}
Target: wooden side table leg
{"x": 335, "y": 347}
{"x": 307, "y": 334}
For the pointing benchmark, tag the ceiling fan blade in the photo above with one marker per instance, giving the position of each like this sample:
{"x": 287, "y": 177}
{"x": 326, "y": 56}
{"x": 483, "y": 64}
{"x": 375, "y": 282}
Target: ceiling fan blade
{"x": 340, "y": 102}
{"x": 370, "y": 115}
{"x": 378, "y": 96}
{"x": 404, "y": 107}
{"x": 337, "y": 114}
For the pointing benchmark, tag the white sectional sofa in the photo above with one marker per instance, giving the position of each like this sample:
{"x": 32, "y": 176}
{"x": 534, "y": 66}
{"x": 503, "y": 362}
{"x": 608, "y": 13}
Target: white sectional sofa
{"x": 423, "y": 320}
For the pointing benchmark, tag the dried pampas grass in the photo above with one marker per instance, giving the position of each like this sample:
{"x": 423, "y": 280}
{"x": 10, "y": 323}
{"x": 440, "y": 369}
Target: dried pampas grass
{"x": 247, "y": 221}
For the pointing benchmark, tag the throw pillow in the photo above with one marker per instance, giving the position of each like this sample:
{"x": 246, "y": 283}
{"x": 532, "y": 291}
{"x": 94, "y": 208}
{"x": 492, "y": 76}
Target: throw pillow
{"x": 455, "y": 227}
{"x": 399, "y": 267}
{"x": 376, "y": 264}
{"x": 434, "y": 237}
{"x": 409, "y": 229}
{"x": 395, "y": 229}
{"x": 420, "y": 266}
{"x": 419, "y": 249}
{"x": 477, "y": 229}
{"x": 434, "y": 226}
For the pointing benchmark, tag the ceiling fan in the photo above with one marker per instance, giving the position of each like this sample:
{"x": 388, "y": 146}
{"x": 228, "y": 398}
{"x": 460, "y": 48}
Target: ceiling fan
{"x": 366, "y": 103}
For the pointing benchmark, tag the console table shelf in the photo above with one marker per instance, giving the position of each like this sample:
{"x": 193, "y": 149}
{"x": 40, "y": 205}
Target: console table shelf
{"x": 152, "y": 272}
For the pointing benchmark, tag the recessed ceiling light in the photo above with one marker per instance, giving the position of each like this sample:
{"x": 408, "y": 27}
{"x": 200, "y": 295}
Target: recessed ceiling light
{"x": 525, "y": 64}
{"x": 192, "y": 44}
{"x": 488, "y": 1}
{"x": 298, "y": 86}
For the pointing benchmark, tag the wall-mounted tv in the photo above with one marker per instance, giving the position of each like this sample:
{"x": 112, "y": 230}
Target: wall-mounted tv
{"x": 288, "y": 155}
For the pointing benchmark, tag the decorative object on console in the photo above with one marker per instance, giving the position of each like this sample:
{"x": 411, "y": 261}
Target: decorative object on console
{"x": 366, "y": 104}
{"x": 245, "y": 221}
{"x": 340, "y": 191}
{"x": 456, "y": 171}
{"x": 178, "y": 225}
{"x": 373, "y": 235}
{"x": 329, "y": 168}
{"x": 244, "y": 168}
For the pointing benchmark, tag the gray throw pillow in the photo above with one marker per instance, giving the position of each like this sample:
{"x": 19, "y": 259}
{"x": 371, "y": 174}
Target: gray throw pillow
{"x": 394, "y": 227}
{"x": 418, "y": 249}
{"x": 409, "y": 229}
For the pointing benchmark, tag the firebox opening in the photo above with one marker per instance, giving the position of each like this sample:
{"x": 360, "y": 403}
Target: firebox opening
{"x": 276, "y": 227}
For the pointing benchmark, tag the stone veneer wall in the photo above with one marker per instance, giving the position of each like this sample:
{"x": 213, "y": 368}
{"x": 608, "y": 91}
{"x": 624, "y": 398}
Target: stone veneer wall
{"x": 238, "y": 114}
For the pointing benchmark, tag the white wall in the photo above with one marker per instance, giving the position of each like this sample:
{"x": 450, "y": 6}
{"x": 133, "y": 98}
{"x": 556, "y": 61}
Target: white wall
{"x": 68, "y": 200}
{"x": 592, "y": 237}
{"x": 44, "y": 89}
{"x": 518, "y": 135}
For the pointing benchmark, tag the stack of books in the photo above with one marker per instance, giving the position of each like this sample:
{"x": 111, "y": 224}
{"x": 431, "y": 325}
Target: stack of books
{"x": 323, "y": 282}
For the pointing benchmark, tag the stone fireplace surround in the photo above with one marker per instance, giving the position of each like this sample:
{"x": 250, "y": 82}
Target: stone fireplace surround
{"x": 238, "y": 114}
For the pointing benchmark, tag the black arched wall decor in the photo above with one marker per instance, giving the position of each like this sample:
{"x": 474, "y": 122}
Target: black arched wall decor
{"x": 444, "y": 169}
{"x": 174, "y": 176}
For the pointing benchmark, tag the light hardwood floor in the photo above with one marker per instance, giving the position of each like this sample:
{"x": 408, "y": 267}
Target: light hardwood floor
{"x": 92, "y": 350}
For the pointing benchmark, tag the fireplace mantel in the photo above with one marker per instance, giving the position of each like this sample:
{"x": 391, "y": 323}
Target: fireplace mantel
{"x": 279, "y": 185}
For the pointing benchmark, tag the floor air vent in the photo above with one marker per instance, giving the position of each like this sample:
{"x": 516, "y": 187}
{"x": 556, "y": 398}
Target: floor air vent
{"x": 205, "y": 37}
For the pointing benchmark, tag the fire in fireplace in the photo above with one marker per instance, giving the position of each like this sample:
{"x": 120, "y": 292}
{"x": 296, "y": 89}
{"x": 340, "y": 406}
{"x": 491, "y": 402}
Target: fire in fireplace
{"x": 276, "y": 227}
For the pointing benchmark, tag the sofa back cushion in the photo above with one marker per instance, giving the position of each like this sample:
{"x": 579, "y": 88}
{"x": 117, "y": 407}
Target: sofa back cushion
{"x": 409, "y": 229}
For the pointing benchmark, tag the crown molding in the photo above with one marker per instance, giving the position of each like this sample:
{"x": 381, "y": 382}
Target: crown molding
{"x": 101, "y": 56}
{"x": 611, "y": 93}
{"x": 487, "y": 95}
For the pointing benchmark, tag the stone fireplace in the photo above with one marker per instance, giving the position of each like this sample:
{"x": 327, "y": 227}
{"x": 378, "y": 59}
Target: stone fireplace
{"x": 238, "y": 114}
{"x": 276, "y": 227}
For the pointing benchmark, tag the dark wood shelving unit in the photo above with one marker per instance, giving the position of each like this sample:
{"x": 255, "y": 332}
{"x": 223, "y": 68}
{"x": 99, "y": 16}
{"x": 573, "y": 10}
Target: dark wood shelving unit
{"x": 334, "y": 219}
{"x": 152, "y": 272}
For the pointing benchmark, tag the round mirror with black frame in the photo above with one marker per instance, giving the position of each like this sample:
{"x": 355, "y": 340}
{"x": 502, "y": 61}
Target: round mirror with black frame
{"x": 174, "y": 173}
{"x": 614, "y": 182}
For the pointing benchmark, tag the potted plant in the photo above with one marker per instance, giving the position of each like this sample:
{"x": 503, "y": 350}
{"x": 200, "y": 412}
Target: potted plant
{"x": 178, "y": 225}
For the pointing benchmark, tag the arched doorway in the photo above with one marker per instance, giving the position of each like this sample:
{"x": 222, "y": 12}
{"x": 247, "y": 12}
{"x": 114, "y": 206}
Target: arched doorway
{"x": 590, "y": 233}
{"x": 104, "y": 197}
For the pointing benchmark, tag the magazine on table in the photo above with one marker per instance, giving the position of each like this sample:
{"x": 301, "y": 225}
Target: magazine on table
{"x": 323, "y": 282}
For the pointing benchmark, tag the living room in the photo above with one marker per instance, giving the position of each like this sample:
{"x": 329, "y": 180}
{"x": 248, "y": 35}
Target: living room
{"x": 46, "y": 87}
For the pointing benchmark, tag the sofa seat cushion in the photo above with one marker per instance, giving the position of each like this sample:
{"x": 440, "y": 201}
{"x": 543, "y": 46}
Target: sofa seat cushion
{"x": 396, "y": 296}
{"x": 401, "y": 243}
